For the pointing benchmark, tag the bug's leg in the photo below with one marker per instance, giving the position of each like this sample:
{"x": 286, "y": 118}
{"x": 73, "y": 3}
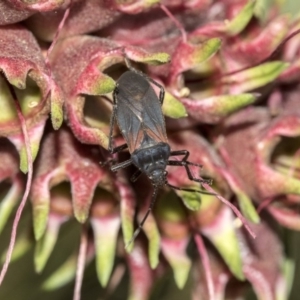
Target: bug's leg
{"x": 161, "y": 93}
{"x": 112, "y": 122}
{"x": 114, "y": 150}
{"x": 119, "y": 148}
{"x": 135, "y": 176}
{"x": 162, "y": 90}
{"x": 121, "y": 165}
{"x": 186, "y": 155}
{"x": 185, "y": 163}
{"x": 138, "y": 230}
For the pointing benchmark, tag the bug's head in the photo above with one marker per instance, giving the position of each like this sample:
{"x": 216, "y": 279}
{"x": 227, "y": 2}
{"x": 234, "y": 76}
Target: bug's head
{"x": 158, "y": 177}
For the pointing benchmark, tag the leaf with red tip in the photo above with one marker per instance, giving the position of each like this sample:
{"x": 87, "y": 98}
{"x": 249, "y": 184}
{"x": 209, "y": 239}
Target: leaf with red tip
{"x": 191, "y": 200}
{"x": 45, "y": 245}
{"x": 223, "y": 236}
{"x": 61, "y": 276}
{"x": 93, "y": 82}
{"x": 151, "y": 231}
{"x": 170, "y": 209}
{"x": 105, "y": 230}
{"x": 175, "y": 253}
{"x": 256, "y": 77}
{"x": 240, "y": 21}
{"x": 173, "y": 108}
{"x": 261, "y": 9}
{"x": 213, "y": 109}
{"x": 57, "y": 101}
{"x": 22, "y": 246}
{"x": 143, "y": 56}
{"x": 36, "y": 133}
{"x": 245, "y": 203}
{"x": 127, "y": 209}
{"x": 9, "y": 201}
{"x": 40, "y": 191}
{"x": 188, "y": 55}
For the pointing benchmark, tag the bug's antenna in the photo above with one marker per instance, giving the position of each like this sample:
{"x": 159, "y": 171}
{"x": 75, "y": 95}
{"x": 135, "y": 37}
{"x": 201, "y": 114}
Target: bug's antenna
{"x": 138, "y": 230}
{"x": 177, "y": 23}
{"x": 192, "y": 190}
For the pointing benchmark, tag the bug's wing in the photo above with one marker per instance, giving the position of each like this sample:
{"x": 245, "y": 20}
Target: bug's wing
{"x": 152, "y": 116}
{"x": 140, "y": 118}
{"x": 129, "y": 117}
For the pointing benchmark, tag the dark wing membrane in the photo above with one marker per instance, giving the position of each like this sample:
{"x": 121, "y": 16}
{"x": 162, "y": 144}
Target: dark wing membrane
{"x": 129, "y": 118}
{"x": 140, "y": 118}
{"x": 153, "y": 119}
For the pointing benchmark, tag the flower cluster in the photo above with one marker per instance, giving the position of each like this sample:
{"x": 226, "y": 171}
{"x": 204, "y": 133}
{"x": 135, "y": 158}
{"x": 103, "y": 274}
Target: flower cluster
{"x": 230, "y": 70}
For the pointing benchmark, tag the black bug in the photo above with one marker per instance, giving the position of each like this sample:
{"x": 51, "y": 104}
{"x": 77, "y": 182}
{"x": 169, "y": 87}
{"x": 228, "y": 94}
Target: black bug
{"x": 137, "y": 110}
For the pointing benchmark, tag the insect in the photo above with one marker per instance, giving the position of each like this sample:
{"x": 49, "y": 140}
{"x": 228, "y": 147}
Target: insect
{"x": 138, "y": 112}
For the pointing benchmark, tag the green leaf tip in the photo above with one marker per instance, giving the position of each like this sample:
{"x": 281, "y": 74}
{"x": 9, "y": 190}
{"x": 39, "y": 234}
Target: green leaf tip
{"x": 173, "y": 108}
{"x": 241, "y": 20}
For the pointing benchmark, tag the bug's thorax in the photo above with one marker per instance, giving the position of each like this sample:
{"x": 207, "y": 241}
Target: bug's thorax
{"x": 153, "y": 161}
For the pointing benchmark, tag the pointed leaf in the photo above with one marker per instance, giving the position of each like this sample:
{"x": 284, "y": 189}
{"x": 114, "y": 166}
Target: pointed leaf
{"x": 173, "y": 108}
{"x": 8, "y": 202}
{"x": 188, "y": 55}
{"x": 46, "y": 244}
{"x": 61, "y": 276}
{"x": 245, "y": 203}
{"x": 223, "y": 236}
{"x": 93, "y": 82}
{"x": 152, "y": 233}
{"x": 40, "y": 217}
{"x": 191, "y": 200}
{"x": 247, "y": 207}
{"x": 22, "y": 246}
{"x": 105, "y": 236}
{"x": 35, "y": 136}
{"x": 140, "y": 55}
{"x": 205, "y": 51}
{"x": 57, "y": 100}
{"x": 241, "y": 20}
{"x": 127, "y": 210}
{"x": 258, "y": 76}
{"x": 223, "y": 105}
{"x": 175, "y": 253}
{"x": 261, "y": 9}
